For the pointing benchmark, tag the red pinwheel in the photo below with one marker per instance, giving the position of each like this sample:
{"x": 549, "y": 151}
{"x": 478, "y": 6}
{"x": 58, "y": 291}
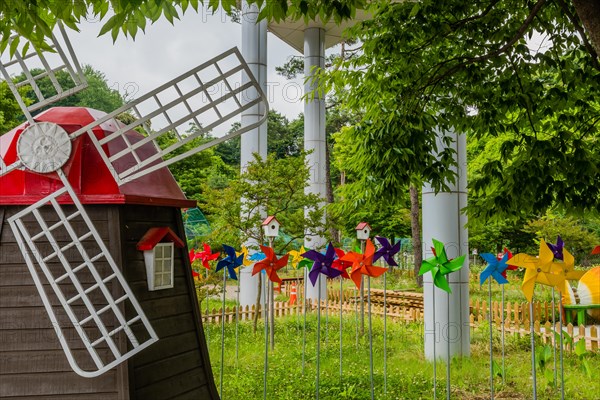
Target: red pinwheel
{"x": 362, "y": 264}
{"x": 204, "y": 256}
{"x": 271, "y": 264}
{"x": 341, "y": 264}
{"x": 508, "y": 267}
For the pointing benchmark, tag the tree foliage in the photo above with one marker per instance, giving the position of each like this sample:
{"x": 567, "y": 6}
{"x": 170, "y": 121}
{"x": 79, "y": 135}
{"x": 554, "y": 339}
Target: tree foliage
{"x": 35, "y": 20}
{"x": 275, "y": 186}
{"x": 10, "y": 112}
{"x": 429, "y": 67}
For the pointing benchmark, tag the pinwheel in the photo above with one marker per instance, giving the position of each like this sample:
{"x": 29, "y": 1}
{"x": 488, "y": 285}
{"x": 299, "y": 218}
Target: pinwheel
{"x": 387, "y": 251}
{"x": 557, "y": 249}
{"x": 270, "y": 264}
{"x": 508, "y": 267}
{"x": 258, "y": 256}
{"x": 362, "y": 264}
{"x": 205, "y": 256}
{"x": 342, "y": 265}
{"x": 231, "y": 262}
{"x": 503, "y": 273}
{"x": 246, "y": 260}
{"x": 541, "y": 269}
{"x": 494, "y": 268}
{"x": 544, "y": 270}
{"x": 440, "y": 266}
{"x": 297, "y": 260}
{"x": 596, "y": 250}
{"x": 228, "y": 265}
{"x": 322, "y": 264}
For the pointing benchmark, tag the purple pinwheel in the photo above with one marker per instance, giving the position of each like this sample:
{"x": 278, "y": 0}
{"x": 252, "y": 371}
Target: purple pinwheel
{"x": 387, "y": 251}
{"x": 557, "y": 248}
{"x": 322, "y": 264}
{"x": 495, "y": 268}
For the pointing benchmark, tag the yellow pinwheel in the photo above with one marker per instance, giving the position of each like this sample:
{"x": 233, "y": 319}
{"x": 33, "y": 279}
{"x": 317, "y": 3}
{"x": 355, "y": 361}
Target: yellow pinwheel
{"x": 567, "y": 268}
{"x": 297, "y": 260}
{"x": 541, "y": 269}
{"x": 246, "y": 262}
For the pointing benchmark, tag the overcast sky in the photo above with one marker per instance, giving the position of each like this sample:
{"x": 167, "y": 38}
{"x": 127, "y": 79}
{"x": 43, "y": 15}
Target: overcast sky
{"x": 165, "y": 51}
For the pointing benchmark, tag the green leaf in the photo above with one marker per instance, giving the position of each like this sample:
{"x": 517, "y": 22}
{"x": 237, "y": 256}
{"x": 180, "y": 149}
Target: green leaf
{"x": 580, "y": 349}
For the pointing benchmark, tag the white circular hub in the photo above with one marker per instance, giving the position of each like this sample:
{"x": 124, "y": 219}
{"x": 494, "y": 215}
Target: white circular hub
{"x": 44, "y": 147}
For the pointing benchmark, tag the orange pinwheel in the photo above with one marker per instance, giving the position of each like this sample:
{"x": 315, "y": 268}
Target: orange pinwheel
{"x": 270, "y": 264}
{"x": 362, "y": 264}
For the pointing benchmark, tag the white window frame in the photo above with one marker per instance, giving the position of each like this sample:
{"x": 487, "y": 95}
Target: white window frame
{"x": 165, "y": 263}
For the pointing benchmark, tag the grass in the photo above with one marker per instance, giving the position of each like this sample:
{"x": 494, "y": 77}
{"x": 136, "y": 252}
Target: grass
{"x": 409, "y": 375}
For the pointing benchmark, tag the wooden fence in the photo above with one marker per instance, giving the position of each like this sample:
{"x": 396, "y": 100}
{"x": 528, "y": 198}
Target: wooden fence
{"x": 516, "y": 320}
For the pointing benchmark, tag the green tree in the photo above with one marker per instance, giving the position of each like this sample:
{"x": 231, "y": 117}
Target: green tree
{"x": 273, "y": 185}
{"x": 98, "y": 95}
{"x": 10, "y": 112}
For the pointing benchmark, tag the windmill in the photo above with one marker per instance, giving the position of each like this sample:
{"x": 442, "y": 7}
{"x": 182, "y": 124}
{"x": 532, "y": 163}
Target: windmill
{"x": 207, "y": 96}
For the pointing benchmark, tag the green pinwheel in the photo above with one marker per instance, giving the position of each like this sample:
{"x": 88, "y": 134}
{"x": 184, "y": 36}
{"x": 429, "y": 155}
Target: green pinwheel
{"x": 440, "y": 266}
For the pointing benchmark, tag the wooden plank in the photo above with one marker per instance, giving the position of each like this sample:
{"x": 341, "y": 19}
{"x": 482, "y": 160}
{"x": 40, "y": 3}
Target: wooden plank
{"x": 28, "y": 296}
{"x": 28, "y": 362}
{"x": 59, "y": 383}
{"x": 172, "y": 387}
{"x": 166, "y": 368}
{"x": 78, "y": 396}
{"x": 165, "y": 347}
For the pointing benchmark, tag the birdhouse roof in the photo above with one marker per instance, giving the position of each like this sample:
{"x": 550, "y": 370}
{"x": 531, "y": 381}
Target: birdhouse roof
{"x": 362, "y": 226}
{"x": 87, "y": 173}
{"x": 270, "y": 219}
{"x": 157, "y": 235}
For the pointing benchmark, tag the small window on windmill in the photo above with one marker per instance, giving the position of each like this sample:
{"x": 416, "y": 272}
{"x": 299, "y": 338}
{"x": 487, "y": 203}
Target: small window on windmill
{"x": 158, "y": 245}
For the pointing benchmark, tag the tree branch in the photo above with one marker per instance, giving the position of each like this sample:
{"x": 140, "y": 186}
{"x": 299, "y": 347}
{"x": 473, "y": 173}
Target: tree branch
{"x": 575, "y": 21}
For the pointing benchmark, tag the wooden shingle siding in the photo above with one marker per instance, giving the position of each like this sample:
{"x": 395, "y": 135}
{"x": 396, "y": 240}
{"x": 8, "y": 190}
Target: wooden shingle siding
{"x": 32, "y": 362}
{"x": 177, "y": 366}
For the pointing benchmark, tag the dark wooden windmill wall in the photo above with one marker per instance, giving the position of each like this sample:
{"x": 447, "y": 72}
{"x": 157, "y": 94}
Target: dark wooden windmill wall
{"x": 32, "y": 363}
{"x": 177, "y": 366}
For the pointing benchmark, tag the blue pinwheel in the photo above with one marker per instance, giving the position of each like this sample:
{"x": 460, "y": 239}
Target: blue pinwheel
{"x": 387, "y": 251}
{"x": 495, "y": 268}
{"x": 258, "y": 256}
{"x": 322, "y": 264}
{"x": 557, "y": 248}
{"x": 231, "y": 262}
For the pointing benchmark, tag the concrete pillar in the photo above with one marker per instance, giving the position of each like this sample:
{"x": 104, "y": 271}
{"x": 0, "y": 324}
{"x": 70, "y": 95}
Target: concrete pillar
{"x": 254, "y": 51}
{"x": 315, "y": 138}
{"x": 444, "y": 221}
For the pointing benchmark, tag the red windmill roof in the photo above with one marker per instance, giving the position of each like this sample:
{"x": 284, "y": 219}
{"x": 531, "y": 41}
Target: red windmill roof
{"x": 86, "y": 171}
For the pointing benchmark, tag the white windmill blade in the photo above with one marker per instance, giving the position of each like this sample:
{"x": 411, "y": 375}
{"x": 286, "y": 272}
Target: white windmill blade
{"x": 41, "y": 248}
{"x": 61, "y": 59}
{"x": 208, "y": 96}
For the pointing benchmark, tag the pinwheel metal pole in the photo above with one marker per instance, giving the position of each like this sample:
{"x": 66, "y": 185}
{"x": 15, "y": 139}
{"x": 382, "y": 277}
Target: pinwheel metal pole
{"x": 304, "y": 315}
{"x": 223, "y": 332}
{"x": 434, "y": 346}
{"x": 562, "y": 366}
{"x": 266, "y": 318}
{"x": 237, "y": 318}
{"x": 207, "y": 310}
{"x": 503, "y": 309}
{"x": 554, "y": 336}
{"x": 370, "y": 338}
{"x": 448, "y": 350}
{"x": 272, "y": 305}
{"x": 341, "y": 316}
{"x": 385, "y": 333}
{"x": 491, "y": 339}
{"x": 318, "y": 336}
{"x": 532, "y": 336}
